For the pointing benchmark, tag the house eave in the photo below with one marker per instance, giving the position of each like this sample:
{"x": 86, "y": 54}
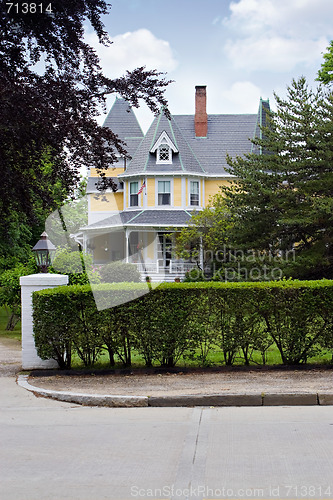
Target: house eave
{"x": 181, "y": 174}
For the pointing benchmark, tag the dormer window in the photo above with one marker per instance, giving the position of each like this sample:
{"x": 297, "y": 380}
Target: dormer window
{"x": 164, "y": 148}
{"x": 164, "y": 154}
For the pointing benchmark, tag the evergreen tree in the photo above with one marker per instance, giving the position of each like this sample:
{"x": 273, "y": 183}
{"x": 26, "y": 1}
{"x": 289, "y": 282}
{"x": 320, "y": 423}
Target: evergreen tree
{"x": 283, "y": 196}
{"x": 325, "y": 74}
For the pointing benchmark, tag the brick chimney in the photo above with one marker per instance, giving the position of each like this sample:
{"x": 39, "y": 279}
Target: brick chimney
{"x": 200, "y": 118}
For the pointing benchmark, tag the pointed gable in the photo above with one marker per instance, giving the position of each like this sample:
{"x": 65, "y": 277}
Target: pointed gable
{"x": 164, "y": 149}
{"x": 123, "y": 122}
{"x": 164, "y": 139}
{"x": 264, "y": 109}
{"x": 163, "y": 131}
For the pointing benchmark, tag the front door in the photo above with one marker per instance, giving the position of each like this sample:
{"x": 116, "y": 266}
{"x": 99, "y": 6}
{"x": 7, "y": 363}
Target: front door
{"x": 164, "y": 250}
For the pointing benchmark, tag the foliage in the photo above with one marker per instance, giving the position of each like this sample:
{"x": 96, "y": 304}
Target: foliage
{"x": 282, "y": 200}
{"x": 206, "y": 234}
{"x": 236, "y": 320}
{"x": 48, "y": 119}
{"x": 118, "y": 272}
{"x": 10, "y": 291}
{"x": 68, "y": 219}
{"x": 14, "y": 334}
{"x": 115, "y": 334}
{"x": 325, "y": 74}
{"x": 77, "y": 265}
{"x": 53, "y": 326}
{"x": 194, "y": 275}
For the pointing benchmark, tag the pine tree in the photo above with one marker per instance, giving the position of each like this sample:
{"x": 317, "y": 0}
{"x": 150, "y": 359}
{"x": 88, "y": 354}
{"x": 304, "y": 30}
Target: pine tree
{"x": 283, "y": 196}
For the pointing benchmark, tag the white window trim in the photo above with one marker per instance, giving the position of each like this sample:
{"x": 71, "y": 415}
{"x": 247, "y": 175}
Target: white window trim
{"x": 164, "y": 207}
{"x": 134, "y": 207}
{"x": 189, "y": 192}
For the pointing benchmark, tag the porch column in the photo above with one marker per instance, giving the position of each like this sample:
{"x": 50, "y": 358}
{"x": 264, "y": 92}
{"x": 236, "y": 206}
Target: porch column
{"x": 84, "y": 246}
{"x": 201, "y": 254}
{"x": 127, "y": 233}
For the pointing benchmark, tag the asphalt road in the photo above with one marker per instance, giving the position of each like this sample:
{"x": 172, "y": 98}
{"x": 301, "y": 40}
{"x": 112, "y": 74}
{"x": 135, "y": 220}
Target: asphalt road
{"x": 54, "y": 450}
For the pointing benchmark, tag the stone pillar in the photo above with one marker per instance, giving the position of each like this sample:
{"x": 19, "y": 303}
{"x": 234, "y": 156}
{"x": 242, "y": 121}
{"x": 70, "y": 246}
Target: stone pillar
{"x": 30, "y": 284}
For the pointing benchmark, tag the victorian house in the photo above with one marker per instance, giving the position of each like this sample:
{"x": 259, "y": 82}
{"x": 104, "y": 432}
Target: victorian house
{"x": 173, "y": 171}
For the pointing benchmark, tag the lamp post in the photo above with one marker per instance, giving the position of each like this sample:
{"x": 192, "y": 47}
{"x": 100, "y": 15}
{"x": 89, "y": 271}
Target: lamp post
{"x": 44, "y": 249}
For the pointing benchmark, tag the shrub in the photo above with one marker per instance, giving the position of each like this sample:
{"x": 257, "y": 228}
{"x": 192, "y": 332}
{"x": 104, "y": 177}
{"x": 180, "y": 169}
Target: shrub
{"x": 78, "y": 266}
{"x": 187, "y": 319}
{"x": 194, "y": 276}
{"x": 169, "y": 323}
{"x": 10, "y": 291}
{"x": 54, "y": 325}
{"x": 119, "y": 272}
{"x": 293, "y": 316}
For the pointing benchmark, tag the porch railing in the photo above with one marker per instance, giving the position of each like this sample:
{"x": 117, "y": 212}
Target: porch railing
{"x": 174, "y": 267}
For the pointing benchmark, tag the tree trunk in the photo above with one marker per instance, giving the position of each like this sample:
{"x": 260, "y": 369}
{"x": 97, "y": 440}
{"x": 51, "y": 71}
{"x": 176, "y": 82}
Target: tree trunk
{"x": 12, "y": 322}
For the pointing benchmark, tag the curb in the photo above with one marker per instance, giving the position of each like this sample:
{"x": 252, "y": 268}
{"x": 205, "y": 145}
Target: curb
{"x": 84, "y": 399}
{"x": 116, "y": 401}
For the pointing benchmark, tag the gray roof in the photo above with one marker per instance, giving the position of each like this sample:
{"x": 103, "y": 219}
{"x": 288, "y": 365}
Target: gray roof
{"x": 162, "y": 218}
{"x": 157, "y": 218}
{"x": 119, "y": 219}
{"x": 92, "y": 188}
{"x": 123, "y": 122}
{"x": 227, "y": 134}
{"x": 145, "y": 162}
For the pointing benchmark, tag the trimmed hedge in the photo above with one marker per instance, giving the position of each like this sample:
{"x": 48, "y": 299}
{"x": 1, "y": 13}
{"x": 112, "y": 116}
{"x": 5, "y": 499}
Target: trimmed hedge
{"x": 186, "y": 319}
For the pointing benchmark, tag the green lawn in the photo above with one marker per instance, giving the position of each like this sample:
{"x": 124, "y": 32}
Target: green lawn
{"x": 215, "y": 359}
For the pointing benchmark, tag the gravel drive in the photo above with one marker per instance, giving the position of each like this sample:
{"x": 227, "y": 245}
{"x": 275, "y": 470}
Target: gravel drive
{"x": 222, "y": 382}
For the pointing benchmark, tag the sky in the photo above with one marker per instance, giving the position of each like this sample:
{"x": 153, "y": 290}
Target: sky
{"x": 240, "y": 49}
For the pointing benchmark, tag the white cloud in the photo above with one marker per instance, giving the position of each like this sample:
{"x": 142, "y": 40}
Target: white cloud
{"x": 131, "y": 50}
{"x": 273, "y": 53}
{"x": 241, "y": 97}
{"x": 276, "y": 35}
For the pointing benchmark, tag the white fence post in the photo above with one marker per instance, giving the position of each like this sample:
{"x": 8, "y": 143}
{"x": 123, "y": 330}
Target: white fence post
{"x": 30, "y": 284}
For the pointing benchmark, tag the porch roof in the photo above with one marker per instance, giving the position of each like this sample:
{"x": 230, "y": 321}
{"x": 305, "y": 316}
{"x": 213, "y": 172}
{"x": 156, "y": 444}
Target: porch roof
{"x": 143, "y": 218}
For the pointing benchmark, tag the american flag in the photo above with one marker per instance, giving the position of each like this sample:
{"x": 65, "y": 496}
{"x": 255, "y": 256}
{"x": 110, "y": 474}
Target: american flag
{"x": 142, "y": 187}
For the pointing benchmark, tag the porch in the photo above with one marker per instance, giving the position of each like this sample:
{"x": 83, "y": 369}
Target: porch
{"x": 158, "y": 272}
{"x": 151, "y": 251}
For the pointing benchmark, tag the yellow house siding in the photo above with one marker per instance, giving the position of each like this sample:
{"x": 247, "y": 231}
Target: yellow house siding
{"x": 151, "y": 192}
{"x": 212, "y": 187}
{"x": 177, "y": 192}
{"x": 113, "y": 202}
{"x": 112, "y": 172}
